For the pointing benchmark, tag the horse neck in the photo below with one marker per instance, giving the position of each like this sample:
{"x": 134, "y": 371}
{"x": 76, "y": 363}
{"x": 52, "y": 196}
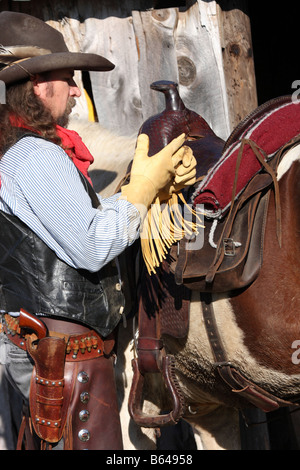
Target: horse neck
{"x": 278, "y": 257}
{"x": 272, "y": 303}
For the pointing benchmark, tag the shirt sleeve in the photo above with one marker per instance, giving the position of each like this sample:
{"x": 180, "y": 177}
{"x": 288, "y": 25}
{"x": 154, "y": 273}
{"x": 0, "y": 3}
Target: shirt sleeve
{"x": 54, "y": 203}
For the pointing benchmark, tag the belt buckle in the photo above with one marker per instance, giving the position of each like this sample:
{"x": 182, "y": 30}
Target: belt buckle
{"x": 229, "y": 247}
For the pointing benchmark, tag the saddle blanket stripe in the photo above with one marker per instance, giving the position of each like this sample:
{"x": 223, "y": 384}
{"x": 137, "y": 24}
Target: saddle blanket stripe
{"x": 270, "y": 132}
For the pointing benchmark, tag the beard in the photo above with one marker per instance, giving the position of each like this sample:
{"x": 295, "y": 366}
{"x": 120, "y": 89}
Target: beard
{"x": 63, "y": 120}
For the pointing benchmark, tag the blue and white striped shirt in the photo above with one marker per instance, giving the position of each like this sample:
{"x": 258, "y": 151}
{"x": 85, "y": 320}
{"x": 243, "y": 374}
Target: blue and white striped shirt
{"x": 41, "y": 186}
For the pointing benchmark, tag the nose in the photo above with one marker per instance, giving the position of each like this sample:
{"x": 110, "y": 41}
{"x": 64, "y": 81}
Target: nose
{"x": 74, "y": 90}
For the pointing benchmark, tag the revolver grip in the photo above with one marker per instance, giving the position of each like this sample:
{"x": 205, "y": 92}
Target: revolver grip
{"x": 27, "y": 320}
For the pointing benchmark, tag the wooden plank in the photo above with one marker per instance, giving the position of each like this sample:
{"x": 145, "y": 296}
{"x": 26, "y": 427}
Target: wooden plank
{"x": 238, "y": 59}
{"x": 71, "y": 29}
{"x": 116, "y": 93}
{"x": 198, "y": 44}
{"x": 175, "y": 46}
{"x": 156, "y": 54}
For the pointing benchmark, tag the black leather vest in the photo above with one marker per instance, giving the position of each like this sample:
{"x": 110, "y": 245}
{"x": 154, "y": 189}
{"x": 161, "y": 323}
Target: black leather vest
{"x": 34, "y": 278}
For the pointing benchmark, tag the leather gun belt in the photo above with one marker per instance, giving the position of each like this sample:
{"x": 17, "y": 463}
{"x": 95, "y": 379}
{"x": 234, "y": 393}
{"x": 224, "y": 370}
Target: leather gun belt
{"x": 82, "y": 343}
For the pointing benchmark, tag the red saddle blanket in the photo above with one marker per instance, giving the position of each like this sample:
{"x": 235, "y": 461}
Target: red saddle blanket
{"x": 269, "y": 127}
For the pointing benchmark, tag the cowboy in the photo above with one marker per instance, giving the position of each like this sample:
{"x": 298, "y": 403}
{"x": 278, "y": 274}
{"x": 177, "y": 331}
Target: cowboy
{"x": 61, "y": 287}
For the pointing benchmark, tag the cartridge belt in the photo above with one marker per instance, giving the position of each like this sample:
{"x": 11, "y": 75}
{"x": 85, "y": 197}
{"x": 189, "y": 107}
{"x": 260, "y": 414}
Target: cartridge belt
{"x": 82, "y": 343}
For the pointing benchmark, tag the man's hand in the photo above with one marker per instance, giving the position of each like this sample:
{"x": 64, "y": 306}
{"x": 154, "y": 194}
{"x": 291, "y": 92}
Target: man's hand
{"x": 149, "y": 175}
{"x": 185, "y": 172}
{"x": 160, "y": 168}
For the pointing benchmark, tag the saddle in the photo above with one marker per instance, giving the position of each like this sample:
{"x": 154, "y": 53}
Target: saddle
{"x": 230, "y": 257}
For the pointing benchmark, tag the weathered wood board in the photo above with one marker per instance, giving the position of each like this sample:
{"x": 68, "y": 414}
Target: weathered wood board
{"x": 200, "y": 46}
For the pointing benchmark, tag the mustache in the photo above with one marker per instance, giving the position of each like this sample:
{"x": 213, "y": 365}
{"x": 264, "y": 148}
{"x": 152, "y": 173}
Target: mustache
{"x": 70, "y": 104}
{"x": 64, "y": 119}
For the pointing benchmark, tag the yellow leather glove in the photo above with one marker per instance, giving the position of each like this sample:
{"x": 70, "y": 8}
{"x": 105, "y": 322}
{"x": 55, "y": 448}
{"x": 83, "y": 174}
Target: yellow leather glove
{"x": 149, "y": 175}
{"x": 185, "y": 173}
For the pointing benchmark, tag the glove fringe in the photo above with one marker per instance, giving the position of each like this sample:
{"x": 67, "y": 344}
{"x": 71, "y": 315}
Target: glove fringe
{"x": 165, "y": 225}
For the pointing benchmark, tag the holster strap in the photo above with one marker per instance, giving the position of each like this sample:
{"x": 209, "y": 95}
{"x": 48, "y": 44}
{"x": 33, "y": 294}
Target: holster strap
{"x": 79, "y": 347}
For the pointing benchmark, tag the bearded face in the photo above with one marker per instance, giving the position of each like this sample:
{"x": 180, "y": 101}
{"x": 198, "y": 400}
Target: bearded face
{"x": 63, "y": 120}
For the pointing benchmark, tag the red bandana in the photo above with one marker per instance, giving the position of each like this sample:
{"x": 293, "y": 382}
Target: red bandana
{"x": 72, "y": 144}
{"x": 76, "y": 149}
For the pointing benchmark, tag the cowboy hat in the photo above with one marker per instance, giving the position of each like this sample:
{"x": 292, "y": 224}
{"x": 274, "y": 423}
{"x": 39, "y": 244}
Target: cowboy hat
{"x": 28, "y": 46}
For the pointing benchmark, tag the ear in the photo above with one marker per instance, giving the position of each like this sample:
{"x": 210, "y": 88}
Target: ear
{"x": 37, "y": 84}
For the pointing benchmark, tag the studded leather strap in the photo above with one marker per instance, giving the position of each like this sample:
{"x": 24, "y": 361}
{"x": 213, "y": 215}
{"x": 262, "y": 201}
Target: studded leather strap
{"x": 48, "y": 399}
{"x": 79, "y": 347}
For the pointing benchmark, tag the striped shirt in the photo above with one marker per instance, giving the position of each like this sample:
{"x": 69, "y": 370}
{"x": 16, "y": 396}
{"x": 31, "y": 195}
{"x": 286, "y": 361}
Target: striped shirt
{"x": 41, "y": 186}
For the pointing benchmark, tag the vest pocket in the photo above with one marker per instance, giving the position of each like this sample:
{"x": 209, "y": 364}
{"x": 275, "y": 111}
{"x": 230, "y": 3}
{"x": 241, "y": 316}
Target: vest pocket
{"x": 83, "y": 300}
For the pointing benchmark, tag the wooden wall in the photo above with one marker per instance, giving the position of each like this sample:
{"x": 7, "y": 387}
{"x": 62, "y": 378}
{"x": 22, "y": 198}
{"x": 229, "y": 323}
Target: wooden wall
{"x": 204, "y": 46}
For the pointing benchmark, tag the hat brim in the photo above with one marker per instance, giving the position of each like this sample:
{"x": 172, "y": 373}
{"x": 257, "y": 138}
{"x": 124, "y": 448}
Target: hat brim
{"x": 56, "y": 61}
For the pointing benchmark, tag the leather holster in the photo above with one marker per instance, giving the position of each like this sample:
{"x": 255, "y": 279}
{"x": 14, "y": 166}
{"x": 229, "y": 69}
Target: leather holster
{"x": 49, "y": 394}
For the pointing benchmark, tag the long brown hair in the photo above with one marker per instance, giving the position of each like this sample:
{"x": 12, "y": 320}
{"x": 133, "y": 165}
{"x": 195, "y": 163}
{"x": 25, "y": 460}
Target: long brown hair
{"x": 24, "y": 107}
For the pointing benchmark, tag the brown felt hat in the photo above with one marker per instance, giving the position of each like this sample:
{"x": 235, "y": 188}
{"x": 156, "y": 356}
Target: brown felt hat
{"x": 28, "y": 46}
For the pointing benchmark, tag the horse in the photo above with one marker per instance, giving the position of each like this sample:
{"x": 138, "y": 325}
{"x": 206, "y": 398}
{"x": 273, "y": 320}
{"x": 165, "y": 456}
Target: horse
{"x": 112, "y": 155}
{"x": 256, "y": 324}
